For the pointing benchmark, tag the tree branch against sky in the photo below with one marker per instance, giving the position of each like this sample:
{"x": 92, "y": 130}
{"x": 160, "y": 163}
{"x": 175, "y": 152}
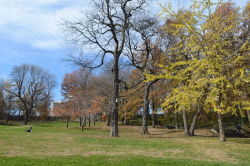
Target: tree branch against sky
{"x": 32, "y": 87}
{"x": 105, "y": 28}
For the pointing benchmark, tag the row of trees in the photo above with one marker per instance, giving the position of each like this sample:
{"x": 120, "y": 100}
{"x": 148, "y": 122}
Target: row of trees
{"x": 84, "y": 97}
{"x": 211, "y": 60}
{"x": 196, "y": 61}
{"x": 28, "y": 92}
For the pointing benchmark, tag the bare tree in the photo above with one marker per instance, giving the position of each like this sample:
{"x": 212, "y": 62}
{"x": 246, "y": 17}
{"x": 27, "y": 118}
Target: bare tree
{"x": 143, "y": 50}
{"x": 2, "y": 101}
{"x": 8, "y": 103}
{"x": 104, "y": 29}
{"x": 31, "y": 85}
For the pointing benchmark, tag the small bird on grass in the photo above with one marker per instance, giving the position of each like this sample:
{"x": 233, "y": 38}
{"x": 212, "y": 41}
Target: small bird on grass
{"x": 29, "y": 130}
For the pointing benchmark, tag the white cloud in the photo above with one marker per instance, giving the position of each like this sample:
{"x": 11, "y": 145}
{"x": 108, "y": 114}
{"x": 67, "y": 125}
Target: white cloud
{"x": 46, "y": 44}
{"x": 37, "y": 22}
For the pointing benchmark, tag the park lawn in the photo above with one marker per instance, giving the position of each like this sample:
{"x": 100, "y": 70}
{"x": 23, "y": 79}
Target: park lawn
{"x": 51, "y": 144}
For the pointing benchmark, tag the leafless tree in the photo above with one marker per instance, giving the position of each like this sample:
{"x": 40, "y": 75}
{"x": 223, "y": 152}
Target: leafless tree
{"x": 8, "y": 103}
{"x": 2, "y": 102}
{"x": 32, "y": 86}
{"x": 104, "y": 29}
{"x": 142, "y": 49}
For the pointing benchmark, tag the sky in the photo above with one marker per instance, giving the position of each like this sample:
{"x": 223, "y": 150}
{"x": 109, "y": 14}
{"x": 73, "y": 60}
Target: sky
{"x": 31, "y": 33}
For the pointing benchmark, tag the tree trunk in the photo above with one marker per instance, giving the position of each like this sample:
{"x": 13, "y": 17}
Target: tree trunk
{"x": 248, "y": 115}
{"x": 194, "y": 122}
{"x": 145, "y": 110}
{"x": 125, "y": 120}
{"x": 26, "y": 117}
{"x": 154, "y": 119}
{"x": 67, "y": 123}
{"x": 154, "y": 115}
{"x": 221, "y": 128}
{"x": 82, "y": 125}
{"x": 175, "y": 121}
{"x": 116, "y": 81}
{"x": 108, "y": 120}
{"x": 85, "y": 120}
{"x": 80, "y": 119}
{"x": 94, "y": 119}
{"x": 185, "y": 123}
{"x": 89, "y": 119}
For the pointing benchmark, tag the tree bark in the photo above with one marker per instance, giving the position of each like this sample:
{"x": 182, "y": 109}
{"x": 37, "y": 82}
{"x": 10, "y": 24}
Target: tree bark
{"x": 89, "y": 119}
{"x": 154, "y": 115}
{"x": 248, "y": 115}
{"x": 123, "y": 121}
{"x": 194, "y": 122}
{"x": 145, "y": 110}
{"x": 221, "y": 128}
{"x": 82, "y": 125}
{"x": 185, "y": 123}
{"x": 154, "y": 119}
{"x": 176, "y": 121}
{"x": 85, "y": 120}
{"x": 108, "y": 120}
{"x": 80, "y": 119}
{"x": 26, "y": 117}
{"x": 67, "y": 123}
{"x": 116, "y": 81}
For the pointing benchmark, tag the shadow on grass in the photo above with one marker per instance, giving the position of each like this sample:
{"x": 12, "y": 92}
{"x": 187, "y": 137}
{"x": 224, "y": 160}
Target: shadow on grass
{"x": 241, "y": 140}
{"x": 12, "y": 123}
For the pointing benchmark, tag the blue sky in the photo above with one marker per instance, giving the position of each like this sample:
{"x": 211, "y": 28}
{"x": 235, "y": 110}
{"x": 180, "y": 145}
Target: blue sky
{"x": 30, "y": 32}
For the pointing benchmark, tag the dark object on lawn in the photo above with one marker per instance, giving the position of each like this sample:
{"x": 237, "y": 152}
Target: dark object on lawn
{"x": 233, "y": 133}
{"x": 239, "y": 128}
{"x": 29, "y": 130}
{"x": 170, "y": 127}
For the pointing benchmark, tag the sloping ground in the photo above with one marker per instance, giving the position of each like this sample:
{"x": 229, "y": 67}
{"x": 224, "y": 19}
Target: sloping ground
{"x": 53, "y": 143}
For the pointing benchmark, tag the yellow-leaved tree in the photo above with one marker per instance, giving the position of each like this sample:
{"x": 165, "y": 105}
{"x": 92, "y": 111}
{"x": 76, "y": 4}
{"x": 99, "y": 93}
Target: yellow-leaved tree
{"x": 215, "y": 74}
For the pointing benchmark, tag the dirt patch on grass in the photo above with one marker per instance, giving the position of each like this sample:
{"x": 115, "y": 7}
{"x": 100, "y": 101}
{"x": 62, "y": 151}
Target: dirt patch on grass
{"x": 153, "y": 153}
{"x": 218, "y": 155}
{"x": 173, "y": 133}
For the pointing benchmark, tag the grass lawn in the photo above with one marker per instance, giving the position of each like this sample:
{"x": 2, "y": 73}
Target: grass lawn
{"x": 51, "y": 144}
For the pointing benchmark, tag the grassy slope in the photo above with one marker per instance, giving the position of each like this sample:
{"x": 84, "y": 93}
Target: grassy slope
{"x": 51, "y": 144}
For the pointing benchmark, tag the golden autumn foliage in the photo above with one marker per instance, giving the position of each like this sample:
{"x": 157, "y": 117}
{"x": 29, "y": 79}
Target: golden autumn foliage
{"x": 133, "y": 98}
{"x": 211, "y": 59}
